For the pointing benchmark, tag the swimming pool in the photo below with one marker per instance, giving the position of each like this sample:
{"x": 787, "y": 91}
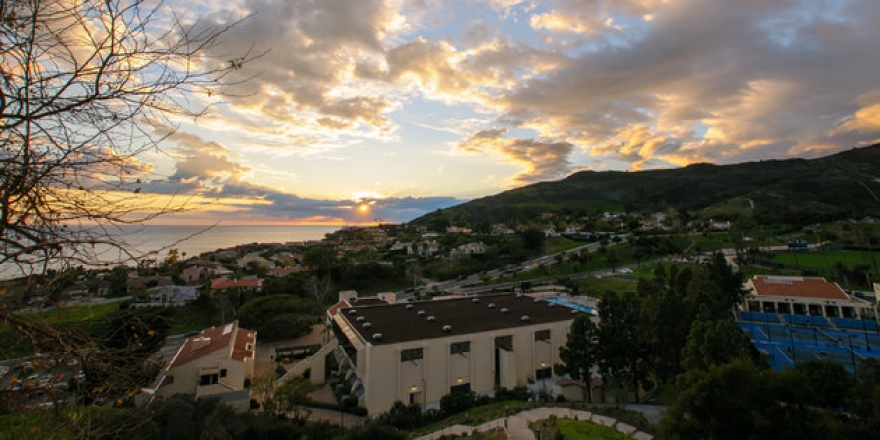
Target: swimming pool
{"x": 570, "y": 304}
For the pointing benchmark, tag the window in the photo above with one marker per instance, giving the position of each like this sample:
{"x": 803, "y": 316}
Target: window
{"x": 209, "y": 379}
{"x": 543, "y": 373}
{"x": 411, "y": 354}
{"x": 223, "y": 373}
{"x": 463, "y": 388}
{"x": 504, "y": 342}
{"x": 462, "y": 348}
{"x": 542, "y": 335}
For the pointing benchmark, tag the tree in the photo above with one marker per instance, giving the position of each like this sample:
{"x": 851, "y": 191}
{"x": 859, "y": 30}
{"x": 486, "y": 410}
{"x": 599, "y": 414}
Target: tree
{"x": 623, "y": 357}
{"x": 726, "y": 402}
{"x": 291, "y": 397}
{"x": 581, "y": 350}
{"x": 83, "y": 84}
{"x": 714, "y": 342}
{"x": 533, "y": 239}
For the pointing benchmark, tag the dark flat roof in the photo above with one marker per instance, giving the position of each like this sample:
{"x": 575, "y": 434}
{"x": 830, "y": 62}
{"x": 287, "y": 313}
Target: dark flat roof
{"x": 402, "y": 323}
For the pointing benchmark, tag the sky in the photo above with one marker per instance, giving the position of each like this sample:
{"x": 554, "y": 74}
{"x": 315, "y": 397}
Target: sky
{"x": 363, "y": 111}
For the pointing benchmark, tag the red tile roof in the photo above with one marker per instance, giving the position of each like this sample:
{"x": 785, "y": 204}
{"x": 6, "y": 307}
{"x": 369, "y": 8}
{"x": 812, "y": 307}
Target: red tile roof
{"x": 816, "y": 288}
{"x": 226, "y": 283}
{"x": 225, "y": 337}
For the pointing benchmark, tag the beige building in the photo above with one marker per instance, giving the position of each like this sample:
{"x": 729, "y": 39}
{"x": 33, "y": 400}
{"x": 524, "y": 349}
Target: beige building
{"x": 217, "y": 363}
{"x": 420, "y": 352}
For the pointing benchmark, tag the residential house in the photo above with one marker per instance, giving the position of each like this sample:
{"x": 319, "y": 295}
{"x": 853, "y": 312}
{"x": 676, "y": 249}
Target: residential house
{"x": 477, "y": 248}
{"x": 217, "y": 363}
{"x": 245, "y": 284}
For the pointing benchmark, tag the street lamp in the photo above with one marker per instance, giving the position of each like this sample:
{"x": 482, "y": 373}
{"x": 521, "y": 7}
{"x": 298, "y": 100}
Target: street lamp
{"x": 852, "y": 354}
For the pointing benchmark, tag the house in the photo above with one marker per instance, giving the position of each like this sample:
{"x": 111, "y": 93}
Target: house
{"x": 166, "y": 296}
{"x": 803, "y": 296}
{"x": 501, "y": 229}
{"x": 279, "y": 272}
{"x": 254, "y": 259}
{"x": 420, "y": 352}
{"x": 478, "y": 248}
{"x": 194, "y": 274}
{"x": 218, "y": 362}
{"x": 248, "y": 284}
{"x": 719, "y": 225}
{"x": 136, "y": 283}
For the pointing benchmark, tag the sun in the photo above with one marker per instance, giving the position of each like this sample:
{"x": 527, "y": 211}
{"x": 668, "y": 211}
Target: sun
{"x": 363, "y": 207}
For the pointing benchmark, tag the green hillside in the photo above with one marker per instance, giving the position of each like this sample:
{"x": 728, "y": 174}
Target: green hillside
{"x": 795, "y": 191}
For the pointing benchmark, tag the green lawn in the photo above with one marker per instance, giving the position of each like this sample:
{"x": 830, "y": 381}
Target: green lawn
{"x": 575, "y": 430}
{"x": 827, "y": 261}
{"x": 596, "y": 286}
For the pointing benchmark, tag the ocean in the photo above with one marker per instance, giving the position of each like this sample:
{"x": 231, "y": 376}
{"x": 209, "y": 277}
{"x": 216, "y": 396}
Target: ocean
{"x": 192, "y": 240}
{"x": 195, "y": 240}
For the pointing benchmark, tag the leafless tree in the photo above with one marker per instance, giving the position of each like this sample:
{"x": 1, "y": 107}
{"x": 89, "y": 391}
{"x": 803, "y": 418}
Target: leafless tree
{"x": 80, "y": 81}
{"x": 320, "y": 286}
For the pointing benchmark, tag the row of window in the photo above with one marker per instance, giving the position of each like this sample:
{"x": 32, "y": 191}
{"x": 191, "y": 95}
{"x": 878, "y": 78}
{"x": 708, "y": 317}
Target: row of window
{"x": 211, "y": 379}
{"x": 464, "y": 347}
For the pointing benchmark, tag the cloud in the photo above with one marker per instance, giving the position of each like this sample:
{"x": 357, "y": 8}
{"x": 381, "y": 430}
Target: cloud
{"x": 555, "y": 86}
{"x": 208, "y": 173}
{"x": 721, "y": 82}
{"x": 542, "y": 159}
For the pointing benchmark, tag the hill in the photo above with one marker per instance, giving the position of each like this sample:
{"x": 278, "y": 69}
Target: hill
{"x": 794, "y": 191}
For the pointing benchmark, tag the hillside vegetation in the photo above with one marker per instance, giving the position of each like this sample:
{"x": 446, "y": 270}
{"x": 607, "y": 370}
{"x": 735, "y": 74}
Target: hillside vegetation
{"x": 793, "y": 191}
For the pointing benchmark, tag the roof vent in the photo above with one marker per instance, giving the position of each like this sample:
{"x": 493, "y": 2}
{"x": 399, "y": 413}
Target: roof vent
{"x": 353, "y": 312}
{"x": 525, "y": 318}
{"x": 366, "y": 325}
{"x": 431, "y": 318}
{"x": 378, "y": 336}
{"x": 421, "y": 313}
{"x": 360, "y": 319}
{"x": 505, "y": 310}
{"x": 447, "y": 329}
{"x": 475, "y": 300}
{"x": 409, "y": 306}
{"x": 491, "y": 305}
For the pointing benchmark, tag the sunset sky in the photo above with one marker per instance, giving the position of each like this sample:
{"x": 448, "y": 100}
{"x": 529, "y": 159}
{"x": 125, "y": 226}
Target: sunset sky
{"x": 405, "y": 107}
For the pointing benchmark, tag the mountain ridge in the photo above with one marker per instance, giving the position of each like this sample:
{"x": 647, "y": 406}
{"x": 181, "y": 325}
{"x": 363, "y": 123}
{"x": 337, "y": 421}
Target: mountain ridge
{"x": 796, "y": 190}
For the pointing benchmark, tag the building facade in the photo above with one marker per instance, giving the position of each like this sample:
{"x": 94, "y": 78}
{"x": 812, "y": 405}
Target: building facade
{"x": 420, "y": 352}
{"x": 804, "y": 296}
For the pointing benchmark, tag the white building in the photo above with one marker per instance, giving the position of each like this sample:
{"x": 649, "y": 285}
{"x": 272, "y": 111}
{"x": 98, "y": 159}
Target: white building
{"x": 419, "y": 352}
{"x": 804, "y": 296}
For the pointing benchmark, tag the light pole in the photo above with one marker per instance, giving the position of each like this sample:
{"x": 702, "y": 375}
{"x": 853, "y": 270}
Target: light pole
{"x": 852, "y": 354}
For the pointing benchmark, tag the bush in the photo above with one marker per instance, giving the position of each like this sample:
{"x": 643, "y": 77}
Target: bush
{"x": 457, "y": 402}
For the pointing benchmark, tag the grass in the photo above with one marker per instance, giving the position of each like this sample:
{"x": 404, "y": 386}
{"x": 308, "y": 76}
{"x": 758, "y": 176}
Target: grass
{"x": 574, "y": 430}
{"x": 492, "y": 411}
{"x": 596, "y": 286}
{"x": 826, "y": 261}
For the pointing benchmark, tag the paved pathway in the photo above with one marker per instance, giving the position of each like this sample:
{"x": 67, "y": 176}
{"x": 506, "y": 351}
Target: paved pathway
{"x": 517, "y": 425}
